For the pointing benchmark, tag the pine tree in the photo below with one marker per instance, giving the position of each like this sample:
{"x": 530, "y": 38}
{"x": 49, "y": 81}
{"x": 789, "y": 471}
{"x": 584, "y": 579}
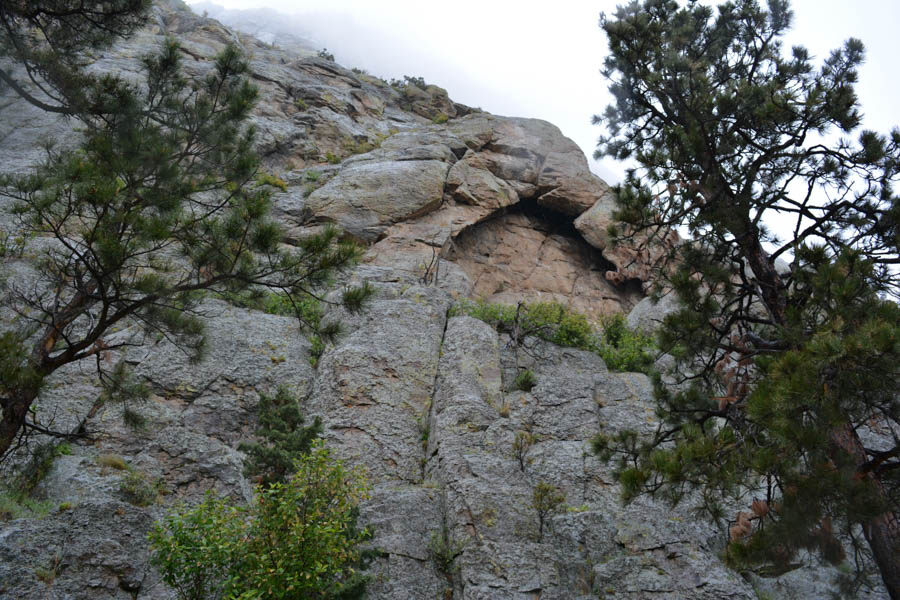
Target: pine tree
{"x": 787, "y": 377}
{"x": 161, "y": 204}
{"x": 283, "y": 439}
{"x": 52, "y": 40}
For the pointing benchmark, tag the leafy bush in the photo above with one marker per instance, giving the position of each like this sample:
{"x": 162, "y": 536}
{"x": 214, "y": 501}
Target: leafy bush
{"x": 620, "y": 347}
{"x": 283, "y": 437}
{"x": 624, "y": 349}
{"x": 297, "y": 540}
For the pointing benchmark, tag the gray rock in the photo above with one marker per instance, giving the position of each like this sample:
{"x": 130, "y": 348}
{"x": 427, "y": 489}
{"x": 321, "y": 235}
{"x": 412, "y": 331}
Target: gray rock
{"x": 648, "y": 314}
{"x": 367, "y": 197}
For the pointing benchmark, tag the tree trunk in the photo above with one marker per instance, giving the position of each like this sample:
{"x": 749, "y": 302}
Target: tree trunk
{"x": 883, "y": 531}
{"x": 14, "y": 412}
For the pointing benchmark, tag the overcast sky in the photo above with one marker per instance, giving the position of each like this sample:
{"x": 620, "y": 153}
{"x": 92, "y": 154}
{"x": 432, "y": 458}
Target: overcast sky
{"x": 542, "y": 59}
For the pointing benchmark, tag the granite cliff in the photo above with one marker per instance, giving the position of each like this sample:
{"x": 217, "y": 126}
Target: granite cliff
{"x": 451, "y": 202}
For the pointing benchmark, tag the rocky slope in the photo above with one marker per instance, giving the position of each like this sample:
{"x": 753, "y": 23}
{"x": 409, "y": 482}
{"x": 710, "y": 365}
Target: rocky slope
{"x": 451, "y": 202}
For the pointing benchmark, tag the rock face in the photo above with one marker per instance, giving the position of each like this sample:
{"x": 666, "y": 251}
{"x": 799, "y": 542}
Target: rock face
{"x": 451, "y": 202}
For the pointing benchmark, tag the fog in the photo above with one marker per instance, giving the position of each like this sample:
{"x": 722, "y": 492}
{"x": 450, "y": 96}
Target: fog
{"x": 542, "y": 60}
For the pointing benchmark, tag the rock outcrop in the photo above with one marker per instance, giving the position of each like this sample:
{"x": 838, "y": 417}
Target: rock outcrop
{"x": 451, "y": 202}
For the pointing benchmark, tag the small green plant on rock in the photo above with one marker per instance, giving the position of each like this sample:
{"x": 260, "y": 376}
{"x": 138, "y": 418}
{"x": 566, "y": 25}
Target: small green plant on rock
{"x": 444, "y": 548}
{"x": 271, "y": 180}
{"x": 621, "y": 348}
{"x": 525, "y": 380}
{"x": 522, "y": 443}
{"x": 140, "y": 489}
{"x": 547, "y": 501}
{"x": 48, "y": 574}
{"x": 332, "y": 158}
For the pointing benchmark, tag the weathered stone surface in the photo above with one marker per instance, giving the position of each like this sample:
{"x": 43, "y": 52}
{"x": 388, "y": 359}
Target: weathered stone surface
{"x": 479, "y": 205}
{"x": 365, "y": 198}
{"x": 648, "y": 314}
{"x": 93, "y": 550}
{"x": 519, "y": 256}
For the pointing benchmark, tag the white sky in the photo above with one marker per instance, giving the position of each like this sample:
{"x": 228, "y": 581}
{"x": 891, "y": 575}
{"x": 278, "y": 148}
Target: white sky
{"x": 537, "y": 59}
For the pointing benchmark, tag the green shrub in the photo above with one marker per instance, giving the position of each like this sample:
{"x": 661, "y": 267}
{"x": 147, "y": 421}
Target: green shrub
{"x": 313, "y": 175}
{"x": 297, "y": 540}
{"x": 522, "y": 443}
{"x": 525, "y": 381}
{"x": 309, "y": 310}
{"x": 444, "y": 549}
{"x": 112, "y": 461}
{"x": 301, "y": 104}
{"x": 140, "y": 489}
{"x": 15, "y": 506}
{"x": 283, "y": 438}
{"x": 440, "y": 119}
{"x": 332, "y": 158}
{"x": 546, "y": 500}
{"x": 624, "y": 349}
{"x": 620, "y": 347}
{"x": 316, "y": 350}
{"x": 271, "y": 181}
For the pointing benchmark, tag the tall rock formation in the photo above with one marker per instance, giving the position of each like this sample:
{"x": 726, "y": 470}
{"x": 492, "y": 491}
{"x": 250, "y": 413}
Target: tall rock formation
{"x": 451, "y": 202}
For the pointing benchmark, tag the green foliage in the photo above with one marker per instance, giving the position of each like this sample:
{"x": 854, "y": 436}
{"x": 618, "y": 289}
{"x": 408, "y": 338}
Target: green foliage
{"x": 283, "y": 439}
{"x": 140, "y": 489}
{"x": 54, "y": 58}
{"x": 271, "y": 180}
{"x": 297, "y": 540}
{"x": 301, "y": 104}
{"x": 525, "y": 380}
{"x": 407, "y": 80}
{"x": 444, "y": 548}
{"x": 313, "y": 175}
{"x": 522, "y": 443}
{"x": 620, "y": 347}
{"x": 547, "y": 501}
{"x": 779, "y": 370}
{"x": 166, "y": 169}
{"x": 316, "y": 350}
{"x": 440, "y": 119}
{"x": 623, "y": 348}
{"x": 332, "y": 158}
{"x": 29, "y": 474}
{"x": 112, "y": 461}
{"x": 14, "y": 505}
{"x": 11, "y": 246}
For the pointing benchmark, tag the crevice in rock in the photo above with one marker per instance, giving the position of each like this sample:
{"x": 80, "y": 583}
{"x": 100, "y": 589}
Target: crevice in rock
{"x": 434, "y": 385}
